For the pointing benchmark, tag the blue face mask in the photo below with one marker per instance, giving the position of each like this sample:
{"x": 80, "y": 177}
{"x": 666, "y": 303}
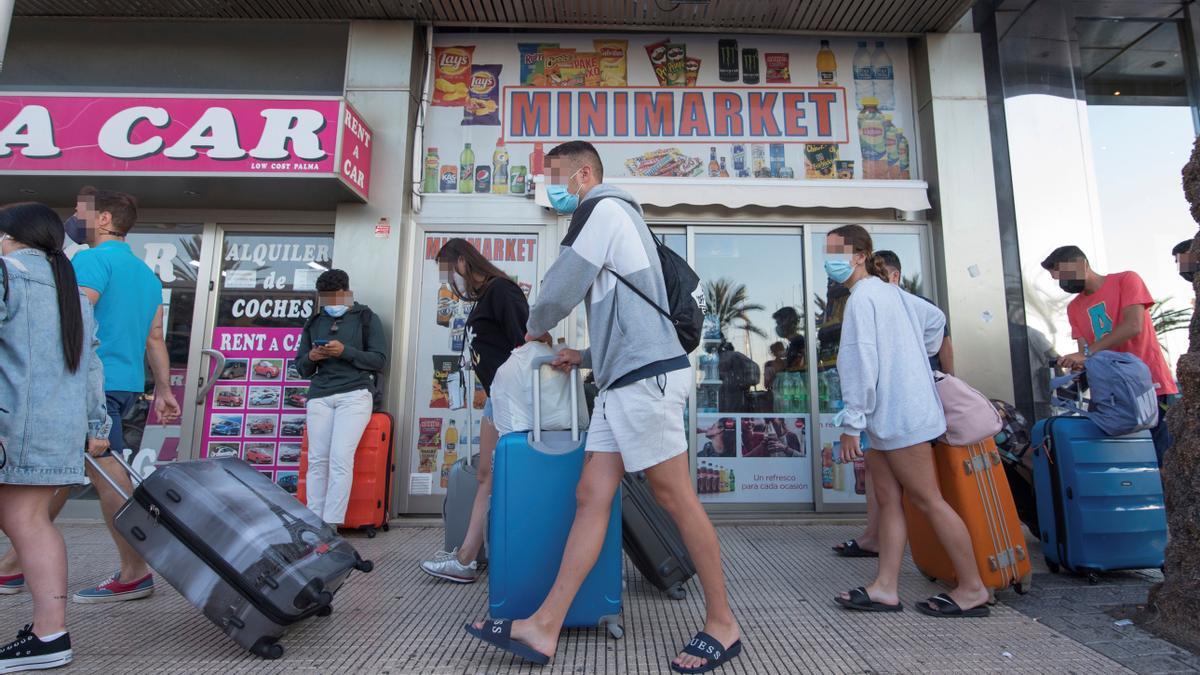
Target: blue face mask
{"x": 336, "y": 310}
{"x": 76, "y": 229}
{"x": 561, "y": 198}
{"x": 839, "y": 268}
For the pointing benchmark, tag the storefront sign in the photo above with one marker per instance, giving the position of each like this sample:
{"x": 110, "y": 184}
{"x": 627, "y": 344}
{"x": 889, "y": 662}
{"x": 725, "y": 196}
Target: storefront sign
{"x": 355, "y": 167}
{"x": 767, "y": 107}
{"x": 697, "y": 115}
{"x": 183, "y": 135}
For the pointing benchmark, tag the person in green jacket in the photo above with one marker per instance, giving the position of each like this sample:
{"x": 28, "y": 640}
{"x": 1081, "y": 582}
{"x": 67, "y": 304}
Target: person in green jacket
{"x": 341, "y": 349}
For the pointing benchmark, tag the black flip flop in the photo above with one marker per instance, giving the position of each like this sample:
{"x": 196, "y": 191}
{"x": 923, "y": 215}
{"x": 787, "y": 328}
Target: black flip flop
{"x": 851, "y": 549}
{"x": 498, "y": 633}
{"x": 948, "y": 608}
{"x": 707, "y": 647}
{"x": 861, "y": 601}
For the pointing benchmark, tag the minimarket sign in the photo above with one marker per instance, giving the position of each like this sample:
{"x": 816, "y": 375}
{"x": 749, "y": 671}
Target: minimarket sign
{"x": 698, "y": 115}
{"x": 177, "y": 135}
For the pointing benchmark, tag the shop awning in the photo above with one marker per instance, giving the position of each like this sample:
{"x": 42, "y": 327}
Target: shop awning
{"x": 903, "y": 195}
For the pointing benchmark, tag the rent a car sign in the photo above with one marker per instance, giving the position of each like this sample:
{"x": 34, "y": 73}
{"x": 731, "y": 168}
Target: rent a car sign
{"x": 698, "y": 115}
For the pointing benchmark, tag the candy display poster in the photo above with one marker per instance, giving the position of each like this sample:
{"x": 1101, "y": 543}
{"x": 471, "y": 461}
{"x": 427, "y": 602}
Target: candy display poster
{"x": 256, "y": 410}
{"x": 753, "y": 458}
{"x": 440, "y": 436}
{"x": 749, "y": 106}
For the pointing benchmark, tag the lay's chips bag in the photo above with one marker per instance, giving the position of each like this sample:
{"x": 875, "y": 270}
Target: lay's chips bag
{"x": 483, "y": 100}
{"x": 452, "y": 70}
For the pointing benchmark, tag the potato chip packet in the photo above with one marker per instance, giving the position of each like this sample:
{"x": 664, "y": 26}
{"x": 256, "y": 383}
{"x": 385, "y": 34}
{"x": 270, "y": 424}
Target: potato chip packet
{"x": 657, "y": 53}
{"x": 452, "y": 72}
{"x": 614, "y": 56}
{"x": 692, "y": 70}
{"x": 483, "y": 99}
{"x": 676, "y": 65}
{"x": 553, "y": 61}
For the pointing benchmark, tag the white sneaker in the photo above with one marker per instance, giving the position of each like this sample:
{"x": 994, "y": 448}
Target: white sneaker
{"x": 445, "y": 565}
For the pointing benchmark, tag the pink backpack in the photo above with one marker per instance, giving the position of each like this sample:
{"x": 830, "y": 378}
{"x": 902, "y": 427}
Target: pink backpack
{"x": 970, "y": 416}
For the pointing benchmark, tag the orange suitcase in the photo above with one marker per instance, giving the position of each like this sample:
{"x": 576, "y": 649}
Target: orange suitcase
{"x": 973, "y": 482}
{"x": 371, "y": 491}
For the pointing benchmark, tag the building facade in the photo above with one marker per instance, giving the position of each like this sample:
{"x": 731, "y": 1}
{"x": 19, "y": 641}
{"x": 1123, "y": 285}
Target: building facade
{"x": 276, "y": 143}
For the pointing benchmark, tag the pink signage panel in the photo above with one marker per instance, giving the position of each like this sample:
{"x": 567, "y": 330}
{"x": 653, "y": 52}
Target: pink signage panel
{"x": 357, "y": 139}
{"x": 171, "y": 134}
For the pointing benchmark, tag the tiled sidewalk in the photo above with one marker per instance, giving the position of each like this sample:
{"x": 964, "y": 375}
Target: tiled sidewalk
{"x": 397, "y": 620}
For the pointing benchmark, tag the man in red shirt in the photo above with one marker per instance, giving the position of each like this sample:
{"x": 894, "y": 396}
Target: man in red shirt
{"x": 1113, "y": 312}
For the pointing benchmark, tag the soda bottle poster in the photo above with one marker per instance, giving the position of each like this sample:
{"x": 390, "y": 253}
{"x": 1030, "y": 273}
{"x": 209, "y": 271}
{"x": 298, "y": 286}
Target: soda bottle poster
{"x": 840, "y": 482}
{"x": 741, "y": 107}
{"x": 447, "y": 415}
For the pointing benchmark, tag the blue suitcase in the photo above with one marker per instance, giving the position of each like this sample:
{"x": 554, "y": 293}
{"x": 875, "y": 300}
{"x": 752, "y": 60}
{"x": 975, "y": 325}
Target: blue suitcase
{"x": 1099, "y": 497}
{"x": 534, "y": 476}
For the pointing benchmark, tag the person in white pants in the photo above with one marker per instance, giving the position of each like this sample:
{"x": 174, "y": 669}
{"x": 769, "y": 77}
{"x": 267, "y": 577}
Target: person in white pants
{"x": 335, "y": 425}
{"x": 341, "y": 349}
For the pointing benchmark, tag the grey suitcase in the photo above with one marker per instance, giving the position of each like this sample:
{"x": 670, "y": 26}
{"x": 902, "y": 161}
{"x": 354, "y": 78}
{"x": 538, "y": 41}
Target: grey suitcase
{"x": 651, "y": 539}
{"x": 245, "y": 552}
{"x": 461, "y": 487}
{"x": 463, "y": 484}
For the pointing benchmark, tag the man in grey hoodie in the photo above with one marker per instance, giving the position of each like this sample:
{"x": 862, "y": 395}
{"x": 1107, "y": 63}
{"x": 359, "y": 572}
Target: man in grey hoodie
{"x": 644, "y": 378}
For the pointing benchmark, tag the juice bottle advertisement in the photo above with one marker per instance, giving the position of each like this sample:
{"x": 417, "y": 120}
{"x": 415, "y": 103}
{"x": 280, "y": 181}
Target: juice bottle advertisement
{"x": 860, "y": 68}
{"x": 841, "y": 482}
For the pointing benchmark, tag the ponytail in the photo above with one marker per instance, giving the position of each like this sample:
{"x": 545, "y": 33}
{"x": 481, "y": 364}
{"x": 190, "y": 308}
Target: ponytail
{"x": 875, "y": 266}
{"x": 39, "y": 227}
{"x": 70, "y": 313}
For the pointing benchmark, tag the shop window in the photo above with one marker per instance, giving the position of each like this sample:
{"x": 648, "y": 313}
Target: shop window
{"x": 752, "y": 399}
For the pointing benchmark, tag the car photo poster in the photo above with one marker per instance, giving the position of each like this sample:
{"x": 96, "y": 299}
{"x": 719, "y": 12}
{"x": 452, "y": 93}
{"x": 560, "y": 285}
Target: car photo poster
{"x": 256, "y": 410}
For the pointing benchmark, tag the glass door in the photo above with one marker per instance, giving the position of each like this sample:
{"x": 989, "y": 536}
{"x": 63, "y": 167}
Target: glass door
{"x": 752, "y": 430}
{"x": 252, "y": 400}
{"x": 439, "y": 435}
{"x": 173, "y": 252}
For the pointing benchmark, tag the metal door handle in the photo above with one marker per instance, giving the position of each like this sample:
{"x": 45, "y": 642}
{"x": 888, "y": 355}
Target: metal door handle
{"x": 206, "y": 383}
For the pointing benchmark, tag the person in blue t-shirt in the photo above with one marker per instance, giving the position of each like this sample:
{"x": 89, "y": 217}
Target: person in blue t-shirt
{"x": 127, "y": 297}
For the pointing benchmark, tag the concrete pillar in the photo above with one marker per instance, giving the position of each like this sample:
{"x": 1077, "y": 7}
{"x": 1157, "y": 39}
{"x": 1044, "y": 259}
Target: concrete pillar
{"x": 957, "y": 163}
{"x": 380, "y": 85}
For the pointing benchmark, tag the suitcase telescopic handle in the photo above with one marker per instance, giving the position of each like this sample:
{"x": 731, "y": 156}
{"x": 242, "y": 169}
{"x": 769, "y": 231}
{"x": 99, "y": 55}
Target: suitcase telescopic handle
{"x": 537, "y": 364}
{"x": 137, "y": 477}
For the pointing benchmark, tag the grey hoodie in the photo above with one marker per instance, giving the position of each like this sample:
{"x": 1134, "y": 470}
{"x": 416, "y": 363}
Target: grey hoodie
{"x": 626, "y": 333}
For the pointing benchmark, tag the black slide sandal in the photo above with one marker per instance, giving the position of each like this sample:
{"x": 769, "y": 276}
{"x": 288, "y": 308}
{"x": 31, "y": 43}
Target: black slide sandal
{"x": 706, "y": 647}
{"x": 498, "y": 633}
{"x": 947, "y": 608}
{"x": 851, "y": 549}
{"x": 860, "y": 601}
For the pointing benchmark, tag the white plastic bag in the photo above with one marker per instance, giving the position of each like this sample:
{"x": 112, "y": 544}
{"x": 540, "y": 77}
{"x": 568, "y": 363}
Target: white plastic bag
{"x": 512, "y": 393}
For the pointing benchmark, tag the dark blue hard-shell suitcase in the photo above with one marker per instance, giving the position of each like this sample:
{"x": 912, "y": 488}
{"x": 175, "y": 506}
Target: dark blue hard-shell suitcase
{"x": 534, "y": 476}
{"x": 1099, "y": 497}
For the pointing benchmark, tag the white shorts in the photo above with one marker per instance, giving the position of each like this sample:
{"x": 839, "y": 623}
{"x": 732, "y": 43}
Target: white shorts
{"x": 643, "y": 421}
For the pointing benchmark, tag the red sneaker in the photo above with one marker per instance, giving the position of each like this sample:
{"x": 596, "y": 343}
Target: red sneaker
{"x": 115, "y": 591}
{"x": 12, "y": 584}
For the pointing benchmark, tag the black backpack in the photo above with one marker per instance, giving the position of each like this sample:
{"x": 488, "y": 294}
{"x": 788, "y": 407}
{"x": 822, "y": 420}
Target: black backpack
{"x": 366, "y": 316}
{"x": 684, "y": 295}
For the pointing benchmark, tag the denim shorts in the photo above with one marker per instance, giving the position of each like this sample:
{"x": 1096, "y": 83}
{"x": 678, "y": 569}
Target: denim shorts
{"x": 119, "y": 404}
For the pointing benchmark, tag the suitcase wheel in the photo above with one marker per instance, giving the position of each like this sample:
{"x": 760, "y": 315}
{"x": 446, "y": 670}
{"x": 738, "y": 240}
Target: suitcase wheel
{"x": 325, "y": 611}
{"x": 364, "y": 566}
{"x": 616, "y": 631}
{"x": 370, "y": 533}
{"x": 676, "y": 592}
{"x": 267, "y": 648}
{"x": 1093, "y": 578}
{"x": 385, "y": 527}
{"x": 1053, "y": 567}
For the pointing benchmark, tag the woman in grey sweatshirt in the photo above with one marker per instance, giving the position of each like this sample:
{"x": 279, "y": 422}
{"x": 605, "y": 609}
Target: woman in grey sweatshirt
{"x": 887, "y": 337}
